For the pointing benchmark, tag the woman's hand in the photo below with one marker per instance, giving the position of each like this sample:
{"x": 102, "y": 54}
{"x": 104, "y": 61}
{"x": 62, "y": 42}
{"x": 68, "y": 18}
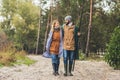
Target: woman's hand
{"x": 78, "y": 33}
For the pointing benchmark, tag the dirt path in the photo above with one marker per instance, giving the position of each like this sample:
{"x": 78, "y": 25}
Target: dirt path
{"x": 42, "y": 70}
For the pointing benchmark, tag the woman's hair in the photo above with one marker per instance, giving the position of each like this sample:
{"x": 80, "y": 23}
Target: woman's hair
{"x": 53, "y": 24}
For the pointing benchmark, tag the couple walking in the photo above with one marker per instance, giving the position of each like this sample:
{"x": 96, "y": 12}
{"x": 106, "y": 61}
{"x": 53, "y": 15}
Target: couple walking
{"x": 62, "y": 42}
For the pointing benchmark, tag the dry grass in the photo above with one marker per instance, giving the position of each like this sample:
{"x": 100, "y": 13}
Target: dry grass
{"x": 9, "y": 56}
{"x": 6, "y": 58}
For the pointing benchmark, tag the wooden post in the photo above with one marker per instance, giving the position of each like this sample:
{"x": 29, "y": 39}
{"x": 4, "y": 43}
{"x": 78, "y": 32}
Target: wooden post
{"x": 38, "y": 35}
{"x": 89, "y": 29}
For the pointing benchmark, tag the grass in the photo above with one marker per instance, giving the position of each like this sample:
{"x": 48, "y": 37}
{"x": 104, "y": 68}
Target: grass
{"x": 95, "y": 58}
{"x": 1, "y": 65}
{"x": 23, "y": 59}
{"x": 11, "y": 58}
{"x": 92, "y": 57}
{"x": 6, "y": 58}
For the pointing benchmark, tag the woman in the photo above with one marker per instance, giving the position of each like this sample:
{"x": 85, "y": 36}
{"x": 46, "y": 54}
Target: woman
{"x": 54, "y": 46}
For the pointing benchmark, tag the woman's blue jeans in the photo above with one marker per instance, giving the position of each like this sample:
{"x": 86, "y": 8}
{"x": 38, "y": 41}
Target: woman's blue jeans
{"x": 55, "y": 59}
{"x": 55, "y": 62}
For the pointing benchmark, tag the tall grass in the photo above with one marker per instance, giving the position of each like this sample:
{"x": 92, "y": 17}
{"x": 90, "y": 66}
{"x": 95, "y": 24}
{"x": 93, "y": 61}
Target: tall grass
{"x": 9, "y": 56}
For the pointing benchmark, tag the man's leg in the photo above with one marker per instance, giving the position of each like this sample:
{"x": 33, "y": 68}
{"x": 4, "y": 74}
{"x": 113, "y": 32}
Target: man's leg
{"x": 71, "y": 57}
{"x": 65, "y": 56}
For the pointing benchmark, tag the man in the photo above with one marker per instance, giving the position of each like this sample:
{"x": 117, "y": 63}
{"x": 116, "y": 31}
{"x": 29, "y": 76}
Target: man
{"x": 70, "y": 39}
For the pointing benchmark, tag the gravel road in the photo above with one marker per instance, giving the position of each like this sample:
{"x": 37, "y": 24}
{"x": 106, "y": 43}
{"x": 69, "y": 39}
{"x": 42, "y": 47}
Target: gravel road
{"x": 42, "y": 70}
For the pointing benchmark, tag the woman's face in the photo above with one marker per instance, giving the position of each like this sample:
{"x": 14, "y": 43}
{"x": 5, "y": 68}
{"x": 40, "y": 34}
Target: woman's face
{"x": 57, "y": 24}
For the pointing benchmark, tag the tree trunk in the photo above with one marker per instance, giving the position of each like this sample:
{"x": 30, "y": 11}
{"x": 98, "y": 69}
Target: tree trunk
{"x": 38, "y": 36}
{"x": 48, "y": 23}
{"x": 89, "y": 29}
{"x": 46, "y": 33}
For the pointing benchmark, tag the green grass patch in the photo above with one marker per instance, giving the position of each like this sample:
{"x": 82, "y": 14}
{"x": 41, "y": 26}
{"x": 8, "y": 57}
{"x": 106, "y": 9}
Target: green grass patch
{"x": 1, "y": 65}
{"x": 92, "y": 57}
{"x": 24, "y": 60}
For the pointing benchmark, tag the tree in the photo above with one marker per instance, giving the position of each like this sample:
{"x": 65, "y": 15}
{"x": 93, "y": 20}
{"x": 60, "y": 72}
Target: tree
{"x": 23, "y": 16}
{"x": 89, "y": 29}
{"x": 8, "y": 10}
{"x": 113, "y": 50}
{"x": 21, "y": 21}
{"x": 37, "y": 44}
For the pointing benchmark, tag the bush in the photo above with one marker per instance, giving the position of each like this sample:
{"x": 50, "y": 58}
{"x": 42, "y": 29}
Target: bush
{"x": 6, "y": 58}
{"x": 113, "y": 50}
{"x": 9, "y": 57}
{"x": 81, "y": 55}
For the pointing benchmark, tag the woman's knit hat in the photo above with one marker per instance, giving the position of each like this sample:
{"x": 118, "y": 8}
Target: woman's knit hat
{"x": 69, "y": 18}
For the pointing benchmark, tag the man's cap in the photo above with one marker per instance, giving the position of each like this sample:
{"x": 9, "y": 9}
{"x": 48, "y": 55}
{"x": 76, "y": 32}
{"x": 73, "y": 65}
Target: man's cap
{"x": 69, "y": 18}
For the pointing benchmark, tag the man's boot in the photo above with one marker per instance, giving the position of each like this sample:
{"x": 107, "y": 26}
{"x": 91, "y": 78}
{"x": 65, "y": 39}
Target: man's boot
{"x": 54, "y": 69}
{"x": 70, "y": 69}
{"x": 65, "y": 68}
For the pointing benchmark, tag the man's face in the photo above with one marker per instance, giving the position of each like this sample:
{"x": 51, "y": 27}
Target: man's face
{"x": 66, "y": 21}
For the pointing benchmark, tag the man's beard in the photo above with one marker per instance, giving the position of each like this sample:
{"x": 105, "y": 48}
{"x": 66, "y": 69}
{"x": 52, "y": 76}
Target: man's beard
{"x": 67, "y": 23}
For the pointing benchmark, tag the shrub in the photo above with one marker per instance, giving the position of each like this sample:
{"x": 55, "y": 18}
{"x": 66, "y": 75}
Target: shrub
{"x": 9, "y": 57}
{"x": 113, "y": 50}
{"x": 81, "y": 55}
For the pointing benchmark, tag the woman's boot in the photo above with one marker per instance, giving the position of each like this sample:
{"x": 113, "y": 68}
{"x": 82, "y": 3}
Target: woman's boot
{"x": 57, "y": 69}
{"x": 54, "y": 68}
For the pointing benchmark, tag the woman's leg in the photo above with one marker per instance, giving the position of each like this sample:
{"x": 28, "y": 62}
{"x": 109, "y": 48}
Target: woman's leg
{"x": 54, "y": 61}
{"x": 57, "y": 65}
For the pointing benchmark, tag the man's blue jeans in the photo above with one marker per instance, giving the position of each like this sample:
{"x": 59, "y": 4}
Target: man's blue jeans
{"x": 68, "y": 55}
